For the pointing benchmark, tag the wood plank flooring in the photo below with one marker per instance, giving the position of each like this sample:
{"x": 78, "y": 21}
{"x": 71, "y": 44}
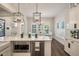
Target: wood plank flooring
{"x": 58, "y": 49}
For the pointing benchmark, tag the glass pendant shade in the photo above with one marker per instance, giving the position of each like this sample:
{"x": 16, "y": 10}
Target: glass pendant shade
{"x": 37, "y": 16}
{"x": 18, "y": 17}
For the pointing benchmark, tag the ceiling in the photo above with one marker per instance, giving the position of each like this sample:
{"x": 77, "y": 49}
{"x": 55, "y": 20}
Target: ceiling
{"x": 46, "y": 9}
{"x": 3, "y": 11}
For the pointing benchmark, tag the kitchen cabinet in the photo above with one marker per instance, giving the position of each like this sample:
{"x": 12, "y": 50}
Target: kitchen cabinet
{"x": 72, "y": 48}
{"x": 2, "y": 27}
{"x": 47, "y": 48}
{"x": 72, "y": 42}
{"x": 73, "y": 17}
{"x": 5, "y": 49}
{"x": 42, "y": 29}
{"x": 67, "y": 48}
{"x": 37, "y": 48}
{"x": 6, "y": 52}
{"x": 75, "y": 48}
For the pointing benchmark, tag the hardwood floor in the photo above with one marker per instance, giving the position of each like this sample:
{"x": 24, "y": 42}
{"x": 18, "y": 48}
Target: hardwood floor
{"x": 58, "y": 49}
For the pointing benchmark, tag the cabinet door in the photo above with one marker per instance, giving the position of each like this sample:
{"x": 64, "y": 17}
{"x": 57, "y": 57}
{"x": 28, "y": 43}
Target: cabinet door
{"x": 42, "y": 48}
{"x": 72, "y": 48}
{"x": 6, "y": 52}
{"x": 68, "y": 47}
{"x": 47, "y": 48}
{"x": 75, "y": 49}
{"x": 32, "y": 48}
{"x": 37, "y": 51}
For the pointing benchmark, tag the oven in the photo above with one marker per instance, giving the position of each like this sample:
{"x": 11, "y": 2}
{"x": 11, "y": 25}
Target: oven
{"x": 21, "y": 46}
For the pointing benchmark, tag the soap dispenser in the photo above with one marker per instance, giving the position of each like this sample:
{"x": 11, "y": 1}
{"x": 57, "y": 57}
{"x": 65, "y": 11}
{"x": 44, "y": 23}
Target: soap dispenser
{"x": 36, "y": 36}
{"x": 29, "y": 35}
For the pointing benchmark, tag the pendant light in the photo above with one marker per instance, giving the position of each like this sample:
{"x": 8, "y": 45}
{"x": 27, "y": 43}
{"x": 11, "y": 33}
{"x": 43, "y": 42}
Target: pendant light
{"x": 18, "y": 16}
{"x": 37, "y": 15}
{"x": 18, "y": 22}
{"x": 37, "y": 19}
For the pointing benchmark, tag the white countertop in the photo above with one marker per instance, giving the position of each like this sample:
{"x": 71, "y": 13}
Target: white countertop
{"x": 73, "y": 40}
{"x": 40, "y": 38}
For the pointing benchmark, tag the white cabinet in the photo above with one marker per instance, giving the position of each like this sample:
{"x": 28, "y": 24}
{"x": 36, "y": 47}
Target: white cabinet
{"x": 5, "y": 49}
{"x": 67, "y": 49}
{"x": 74, "y": 43}
{"x": 42, "y": 29}
{"x": 75, "y": 49}
{"x": 47, "y": 48}
{"x": 74, "y": 17}
{"x": 72, "y": 48}
{"x": 6, "y": 52}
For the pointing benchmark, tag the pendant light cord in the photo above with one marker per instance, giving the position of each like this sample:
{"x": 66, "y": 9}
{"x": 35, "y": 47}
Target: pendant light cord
{"x": 36, "y": 7}
{"x": 18, "y": 7}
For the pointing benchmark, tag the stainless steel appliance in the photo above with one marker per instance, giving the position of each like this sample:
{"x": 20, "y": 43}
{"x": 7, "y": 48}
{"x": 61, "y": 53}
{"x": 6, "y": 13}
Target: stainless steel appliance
{"x": 21, "y": 46}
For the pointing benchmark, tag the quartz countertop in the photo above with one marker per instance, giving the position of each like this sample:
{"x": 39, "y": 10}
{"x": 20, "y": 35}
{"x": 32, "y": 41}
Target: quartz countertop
{"x": 40, "y": 38}
{"x": 73, "y": 40}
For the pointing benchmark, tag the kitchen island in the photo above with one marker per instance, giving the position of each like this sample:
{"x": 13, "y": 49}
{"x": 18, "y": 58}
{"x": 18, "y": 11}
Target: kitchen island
{"x": 40, "y": 46}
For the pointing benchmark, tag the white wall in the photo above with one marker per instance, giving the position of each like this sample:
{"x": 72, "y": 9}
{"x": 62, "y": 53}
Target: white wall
{"x": 59, "y": 32}
{"x": 25, "y": 26}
